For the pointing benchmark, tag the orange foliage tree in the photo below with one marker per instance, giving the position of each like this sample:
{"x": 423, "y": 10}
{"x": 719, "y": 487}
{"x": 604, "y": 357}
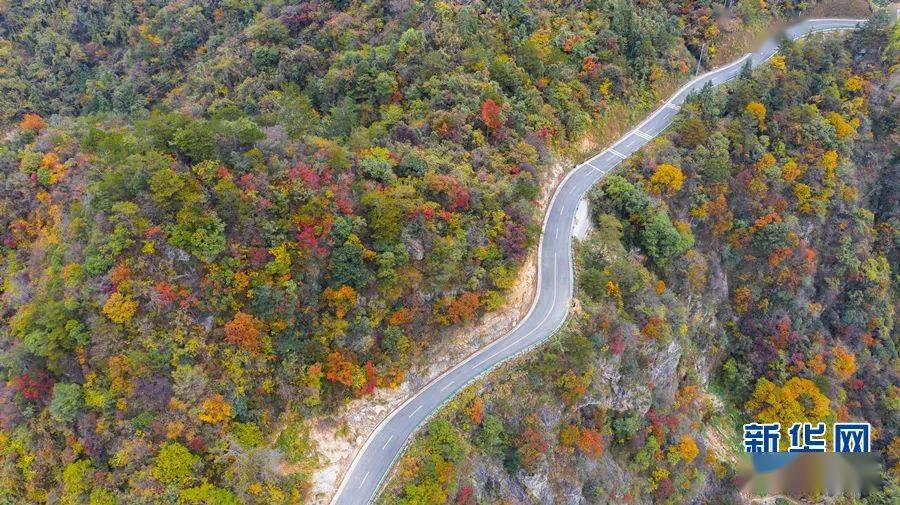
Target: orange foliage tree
{"x": 215, "y": 410}
{"x": 464, "y": 308}
{"x": 589, "y": 443}
{"x": 532, "y": 443}
{"x": 844, "y": 363}
{"x": 244, "y": 331}
{"x": 475, "y": 410}
{"x": 342, "y": 369}
{"x": 32, "y": 123}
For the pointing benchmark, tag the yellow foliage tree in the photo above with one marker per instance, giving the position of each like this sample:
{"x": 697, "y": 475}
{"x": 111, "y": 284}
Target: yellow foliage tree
{"x": 119, "y": 308}
{"x": 778, "y": 62}
{"x": 829, "y": 160}
{"x": 854, "y": 83}
{"x": 790, "y": 171}
{"x": 798, "y": 400}
{"x": 842, "y": 128}
{"x": 666, "y": 179}
{"x": 803, "y": 193}
{"x": 614, "y": 291}
{"x": 686, "y": 449}
{"x": 341, "y": 300}
{"x": 766, "y": 162}
{"x": 758, "y": 110}
{"x": 568, "y": 435}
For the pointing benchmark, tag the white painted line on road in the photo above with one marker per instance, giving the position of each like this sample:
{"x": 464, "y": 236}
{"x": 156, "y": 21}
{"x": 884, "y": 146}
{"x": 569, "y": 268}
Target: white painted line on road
{"x": 446, "y": 386}
{"x": 643, "y": 135}
{"x": 414, "y": 412}
{"x": 672, "y": 106}
{"x": 492, "y": 356}
{"x": 383, "y": 447}
{"x": 617, "y": 153}
{"x": 364, "y": 479}
{"x": 599, "y": 169}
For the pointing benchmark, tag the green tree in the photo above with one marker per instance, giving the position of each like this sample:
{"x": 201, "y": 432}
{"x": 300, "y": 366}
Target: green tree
{"x": 66, "y": 402}
{"x": 196, "y": 140}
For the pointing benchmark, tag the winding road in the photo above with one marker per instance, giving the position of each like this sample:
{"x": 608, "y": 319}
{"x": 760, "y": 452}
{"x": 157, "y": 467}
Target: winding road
{"x": 555, "y": 282}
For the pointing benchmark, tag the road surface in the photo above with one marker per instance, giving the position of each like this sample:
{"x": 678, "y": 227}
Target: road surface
{"x": 555, "y": 283}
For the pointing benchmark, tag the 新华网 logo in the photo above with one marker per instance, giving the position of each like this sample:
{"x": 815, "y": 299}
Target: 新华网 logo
{"x": 808, "y": 437}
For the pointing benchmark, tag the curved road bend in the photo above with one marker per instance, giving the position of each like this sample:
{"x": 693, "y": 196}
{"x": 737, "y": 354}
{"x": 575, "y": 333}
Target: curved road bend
{"x": 555, "y": 279}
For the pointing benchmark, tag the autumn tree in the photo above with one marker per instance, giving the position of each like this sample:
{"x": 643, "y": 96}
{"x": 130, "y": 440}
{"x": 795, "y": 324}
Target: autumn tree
{"x": 244, "y": 331}
{"x": 686, "y": 449}
{"x": 758, "y": 111}
{"x": 32, "y": 123}
{"x": 343, "y": 369}
{"x": 590, "y": 443}
{"x": 174, "y": 464}
{"x": 215, "y": 410}
{"x": 843, "y": 363}
{"x": 490, "y": 114}
{"x": 119, "y": 308}
{"x": 666, "y": 179}
{"x": 797, "y": 400}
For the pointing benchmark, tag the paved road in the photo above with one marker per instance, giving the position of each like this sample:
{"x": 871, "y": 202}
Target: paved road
{"x": 555, "y": 280}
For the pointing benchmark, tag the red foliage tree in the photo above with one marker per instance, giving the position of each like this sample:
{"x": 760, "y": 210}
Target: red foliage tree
{"x": 490, "y": 114}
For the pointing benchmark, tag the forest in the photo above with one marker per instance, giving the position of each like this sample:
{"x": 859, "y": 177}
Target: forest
{"x": 221, "y": 219}
{"x": 742, "y": 267}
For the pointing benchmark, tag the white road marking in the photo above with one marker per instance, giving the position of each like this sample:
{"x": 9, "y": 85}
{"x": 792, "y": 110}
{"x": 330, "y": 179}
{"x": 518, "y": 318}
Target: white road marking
{"x": 643, "y": 135}
{"x": 414, "y": 412}
{"x": 672, "y": 106}
{"x": 383, "y": 447}
{"x": 492, "y": 356}
{"x": 364, "y": 479}
{"x": 447, "y": 385}
{"x": 617, "y": 153}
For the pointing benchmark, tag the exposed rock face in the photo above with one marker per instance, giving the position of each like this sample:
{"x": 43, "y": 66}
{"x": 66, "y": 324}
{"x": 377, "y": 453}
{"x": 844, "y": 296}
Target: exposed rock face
{"x": 537, "y": 484}
{"x": 611, "y": 390}
{"x": 416, "y": 250}
{"x": 663, "y": 373}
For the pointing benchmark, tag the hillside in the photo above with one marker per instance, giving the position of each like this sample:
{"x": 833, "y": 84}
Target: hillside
{"x": 741, "y": 267}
